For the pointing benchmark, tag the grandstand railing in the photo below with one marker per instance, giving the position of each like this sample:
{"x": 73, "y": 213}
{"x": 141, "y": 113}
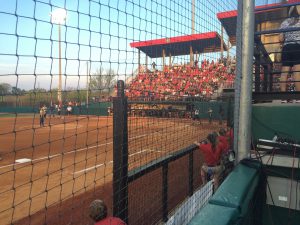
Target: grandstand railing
{"x": 163, "y": 164}
{"x": 267, "y": 65}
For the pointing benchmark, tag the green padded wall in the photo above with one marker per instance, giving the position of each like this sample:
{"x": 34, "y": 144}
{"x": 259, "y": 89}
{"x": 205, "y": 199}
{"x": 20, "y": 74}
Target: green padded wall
{"x": 231, "y": 202}
{"x": 281, "y": 118}
{"x": 237, "y": 189}
{"x": 99, "y": 109}
{"x": 215, "y": 215}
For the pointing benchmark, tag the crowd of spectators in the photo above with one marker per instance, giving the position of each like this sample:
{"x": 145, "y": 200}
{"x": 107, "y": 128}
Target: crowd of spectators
{"x": 178, "y": 81}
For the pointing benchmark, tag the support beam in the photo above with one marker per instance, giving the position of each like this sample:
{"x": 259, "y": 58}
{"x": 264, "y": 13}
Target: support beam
{"x": 193, "y": 16}
{"x": 237, "y": 84}
{"x": 222, "y": 36}
{"x": 163, "y": 59}
{"x": 270, "y": 75}
{"x": 267, "y": 96}
{"x": 245, "y": 111}
{"x": 146, "y": 63}
{"x": 120, "y": 154}
{"x": 266, "y": 78}
{"x": 87, "y": 84}
{"x": 139, "y": 60}
{"x": 191, "y": 56}
{"x": 59, "y": 90}
{"x": 228, "y": 48}
{"x": 257, "y": 73}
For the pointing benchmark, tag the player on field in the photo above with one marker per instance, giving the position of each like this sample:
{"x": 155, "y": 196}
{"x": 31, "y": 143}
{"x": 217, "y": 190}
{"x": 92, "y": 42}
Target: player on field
{"x": 42, "y": 117}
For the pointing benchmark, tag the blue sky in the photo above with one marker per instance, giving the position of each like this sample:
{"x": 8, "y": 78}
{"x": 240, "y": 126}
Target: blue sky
{"x": 95, "y": 31}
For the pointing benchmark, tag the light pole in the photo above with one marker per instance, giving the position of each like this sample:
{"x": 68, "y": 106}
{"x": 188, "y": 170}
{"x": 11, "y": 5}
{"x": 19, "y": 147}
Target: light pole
{"x": 87, "y": 84}
{"x": 58, "y": 16}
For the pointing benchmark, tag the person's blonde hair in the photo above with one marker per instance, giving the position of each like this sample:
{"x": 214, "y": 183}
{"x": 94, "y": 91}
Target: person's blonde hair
{"x": 97, "y": 210}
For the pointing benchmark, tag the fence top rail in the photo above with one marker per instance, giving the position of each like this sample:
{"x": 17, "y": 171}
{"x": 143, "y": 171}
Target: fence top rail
{"x": 277, "y": 31}
{"x": 153, "y": 165}
{"x": 265, "y": 96}
{"x": 159, "y": 102}
{"x": 178, "y": 102}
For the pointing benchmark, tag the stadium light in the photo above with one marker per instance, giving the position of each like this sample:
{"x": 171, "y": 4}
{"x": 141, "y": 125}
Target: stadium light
{"x": 59, "y": 16}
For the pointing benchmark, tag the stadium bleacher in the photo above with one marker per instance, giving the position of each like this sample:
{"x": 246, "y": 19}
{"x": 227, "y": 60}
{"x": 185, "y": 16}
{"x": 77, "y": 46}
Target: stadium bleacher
{"x": 179, "y": 81}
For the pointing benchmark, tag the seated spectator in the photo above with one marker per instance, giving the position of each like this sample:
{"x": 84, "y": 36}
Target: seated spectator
{"x": 98, "y": 212}
{"x": 180, "y": 79}
{"x": 229, "y": 134}
{"x": 224, "y": 140}
{"x": 228, "y": 155}
{"x": 212, "y": 166}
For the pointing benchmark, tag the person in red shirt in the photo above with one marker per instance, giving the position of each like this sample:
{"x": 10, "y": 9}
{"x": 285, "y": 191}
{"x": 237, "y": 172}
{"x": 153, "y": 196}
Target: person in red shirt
{"x": 224, "y": 140}
{"x": 98, "y": 212}
{"x": 212, "y": 155}
{"x": 229, "y": 134}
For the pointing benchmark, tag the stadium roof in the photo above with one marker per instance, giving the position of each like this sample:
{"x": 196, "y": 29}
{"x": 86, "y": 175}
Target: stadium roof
{"x": 263, "y": 13}
{"x": 180, "y": 45}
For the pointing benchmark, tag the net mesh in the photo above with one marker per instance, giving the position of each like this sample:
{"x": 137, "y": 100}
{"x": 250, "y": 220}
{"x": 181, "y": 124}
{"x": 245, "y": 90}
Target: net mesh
{"x": 60, "y": 61}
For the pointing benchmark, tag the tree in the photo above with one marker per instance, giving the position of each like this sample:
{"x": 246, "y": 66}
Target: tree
{"x": 101, "y": 80}
{"x": 73, "y": 94}
{"x": 17, "y": 91}
{"x": 5, "y": 89}
{"x": 110, "y": 78}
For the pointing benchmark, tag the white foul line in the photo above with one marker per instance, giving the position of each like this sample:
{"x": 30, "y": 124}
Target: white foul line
{"x": 70, "y": 152}
{"x": 53, "y": 156}
{"x": 102, "y": 164}
{"x": 93, "y": 167}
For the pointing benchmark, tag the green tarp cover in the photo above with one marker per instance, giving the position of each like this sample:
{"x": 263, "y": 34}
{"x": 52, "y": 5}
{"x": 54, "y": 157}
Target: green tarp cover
{"x": 215, "y": 215}
{"x": 237, "y": 188}
{"x": 230, "y": 204}
{"x": 283, "y": 119}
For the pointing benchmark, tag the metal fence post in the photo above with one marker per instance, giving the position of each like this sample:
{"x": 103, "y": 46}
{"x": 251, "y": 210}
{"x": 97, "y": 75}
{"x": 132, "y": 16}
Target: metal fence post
{"x": 269, "y": 71}
{"x": 191, "y": 173}
{"x": 165, "y": 192}
{"x": 120, "y": 154}
{"x": 230, "y": 112}
{"x": 266, "y": 79}
{"x": 245, "y": 112}
{"x": 257, "y": 72}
